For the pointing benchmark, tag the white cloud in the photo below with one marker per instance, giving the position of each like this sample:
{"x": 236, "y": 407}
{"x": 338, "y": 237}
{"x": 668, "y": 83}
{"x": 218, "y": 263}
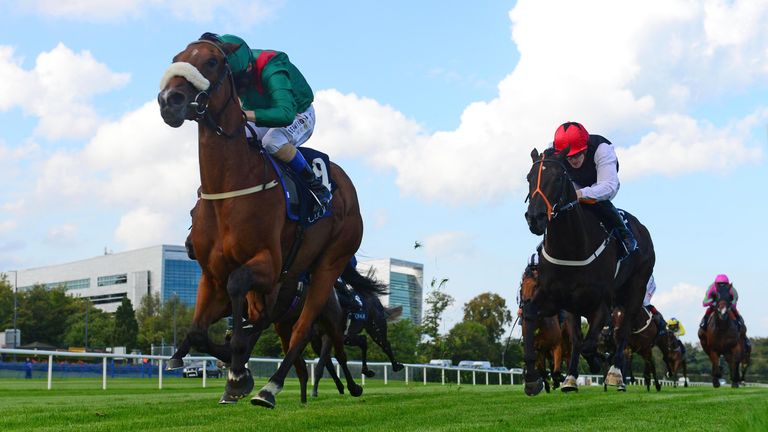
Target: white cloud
{"x": 7, "y": 226}
{"x": 449, "y": 245}
{"x": 144, "y": 227}
{"x": 592, "y": 62}
{"x": 58, "y": 90}
{"x": 62, "y": 234}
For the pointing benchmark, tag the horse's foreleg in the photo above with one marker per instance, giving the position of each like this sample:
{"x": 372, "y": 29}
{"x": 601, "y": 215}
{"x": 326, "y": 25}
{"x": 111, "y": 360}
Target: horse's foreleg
{"x": 573, "y": 323}
{"x": 557, "y": 360}
{"x": 378, "y": 331}
{"x": 284, "y": 331}
{"x": 317, "y": 296}
{"x": 533, "y": 382}
{"x": 210, "y": 307}
{"x": 714, "y": 358}
{"x": 620, "y": 335}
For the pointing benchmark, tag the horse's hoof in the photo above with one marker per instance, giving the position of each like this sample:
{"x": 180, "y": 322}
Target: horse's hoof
{"x": 716, "y": 383}
{"x": 569, "y": 384}
{"x": 313, "y": 394}
{"x": 369, "y": 373}
{"x": 174, "y": 363}
{"x": 532, "y": 388}
{"x": 239, "y": 386}
{"x": 658, "y": 387}
{"x": 355, "y": 390}
{"x": 621, "y": 387}
{"x": 613, "y": 378}
{"x": 264, "y": 399}
{"x": 226, "y": 399}
{"x": 546, "y": 386}
{"x": 397, "y": 367}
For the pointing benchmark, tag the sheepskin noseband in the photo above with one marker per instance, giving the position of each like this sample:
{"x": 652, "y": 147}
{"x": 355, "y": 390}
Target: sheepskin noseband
{"x": 187, "y": 71}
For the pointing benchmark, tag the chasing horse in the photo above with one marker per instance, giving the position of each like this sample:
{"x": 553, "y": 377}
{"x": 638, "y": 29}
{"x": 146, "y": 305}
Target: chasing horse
{"x": 591, "y": 260}
{"x": 552, "y": 341}
{"x": 243, "y": 235}
{"x": 360, "y": 308}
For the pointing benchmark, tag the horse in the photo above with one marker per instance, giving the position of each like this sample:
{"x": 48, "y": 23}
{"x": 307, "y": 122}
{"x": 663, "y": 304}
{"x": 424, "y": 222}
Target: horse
{"x": 552, "y": 341}
{"x": 722, "y": 338}
{"x": 375, "y": 324}
{"x": 245, "y": 245}
{"x": 642, "y": 340}
{"x": 579, "y": 270}
{"x": 675, "y": 358}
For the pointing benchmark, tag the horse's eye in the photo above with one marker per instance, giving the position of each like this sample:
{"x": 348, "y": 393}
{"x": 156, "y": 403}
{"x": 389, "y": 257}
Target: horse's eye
{"x": 212, "y": 63}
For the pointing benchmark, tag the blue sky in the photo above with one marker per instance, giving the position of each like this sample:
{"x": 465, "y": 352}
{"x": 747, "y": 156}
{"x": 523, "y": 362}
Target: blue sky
{"x": 431, "y": 107}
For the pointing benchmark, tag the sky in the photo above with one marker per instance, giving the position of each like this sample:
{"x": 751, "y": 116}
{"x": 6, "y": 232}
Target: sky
{"x": 432, "y": 108}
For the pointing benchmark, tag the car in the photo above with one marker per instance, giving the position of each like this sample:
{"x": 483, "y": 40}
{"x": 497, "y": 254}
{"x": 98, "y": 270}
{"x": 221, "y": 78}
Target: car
{"x": 195, "y": 369}
{"x": 441, "y": 362}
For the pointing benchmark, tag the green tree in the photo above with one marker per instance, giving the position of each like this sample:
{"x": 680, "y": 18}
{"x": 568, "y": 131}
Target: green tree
{"x": 489, "y": 310}
{"x": 403, "y": 336}
{"x": 99, "y": 327}
{"x": 42, "y": 314}
{"x": 150, "y": 325}
{"x": 126, "y": 328}
{"x": 468, "y": 340}
{"x": 437, "y": 302}
{"x": 268, "y": 344}
{"x": 6, "y": 302}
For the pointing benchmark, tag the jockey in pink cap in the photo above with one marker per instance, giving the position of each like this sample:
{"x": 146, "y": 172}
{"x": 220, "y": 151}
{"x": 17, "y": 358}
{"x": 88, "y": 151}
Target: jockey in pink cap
{"x": 712, "y": 296}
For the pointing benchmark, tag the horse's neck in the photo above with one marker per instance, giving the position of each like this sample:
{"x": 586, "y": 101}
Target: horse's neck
{"x": 573, "y": 235}
{"x": 227, "y": 164}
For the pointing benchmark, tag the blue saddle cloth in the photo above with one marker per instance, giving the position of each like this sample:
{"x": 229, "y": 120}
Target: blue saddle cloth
{"x": 299, "y": 200}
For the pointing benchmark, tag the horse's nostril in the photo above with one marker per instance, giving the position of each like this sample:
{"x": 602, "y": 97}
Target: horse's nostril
{"x": 176, "y": 99}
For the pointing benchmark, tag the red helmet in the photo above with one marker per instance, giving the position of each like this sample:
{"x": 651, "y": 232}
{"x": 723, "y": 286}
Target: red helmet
{"x": 571, "y": 134}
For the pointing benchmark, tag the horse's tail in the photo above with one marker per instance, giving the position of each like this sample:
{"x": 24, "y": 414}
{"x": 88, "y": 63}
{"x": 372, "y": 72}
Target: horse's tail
{"x": 394, "y": 313}
{"x": 363, "y": 284}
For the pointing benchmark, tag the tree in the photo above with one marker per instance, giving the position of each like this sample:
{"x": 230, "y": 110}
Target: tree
{"x": 100, "y": 326}
{"x": 468, "y": 340}
{"x": 150, "y": 325}
{"x": 403, "y": 336}
{"x": 43, "y": 314}
{"x": 126, "y": 328}
{"x": 489, "y": 310}
{"x": 6, "y": 302}
{"x": 436, "y": 302}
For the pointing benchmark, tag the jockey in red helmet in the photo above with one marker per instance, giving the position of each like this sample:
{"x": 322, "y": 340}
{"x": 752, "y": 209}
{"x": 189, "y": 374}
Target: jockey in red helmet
{"x": 593, "y": 168}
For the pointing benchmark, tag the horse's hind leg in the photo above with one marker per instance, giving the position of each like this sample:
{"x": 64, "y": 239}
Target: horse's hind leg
{"x": 284, "y": 331}
{"x": 377, "y": 329}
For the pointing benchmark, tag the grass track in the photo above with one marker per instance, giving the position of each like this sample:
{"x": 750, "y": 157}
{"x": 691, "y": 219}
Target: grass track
{"x": 131, "y": 405}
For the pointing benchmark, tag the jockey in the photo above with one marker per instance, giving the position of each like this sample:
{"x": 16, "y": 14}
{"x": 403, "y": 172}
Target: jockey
{"x": 277, "y": 102}
{"x": 593, "y": 168}
{"x": 721, "y": 286}
{"x": 658, "y": 319}
{"x": 676, "y": 327}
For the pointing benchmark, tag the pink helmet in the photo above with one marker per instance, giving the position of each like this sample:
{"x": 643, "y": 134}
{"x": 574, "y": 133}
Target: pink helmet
{"x": 722, "y": 278}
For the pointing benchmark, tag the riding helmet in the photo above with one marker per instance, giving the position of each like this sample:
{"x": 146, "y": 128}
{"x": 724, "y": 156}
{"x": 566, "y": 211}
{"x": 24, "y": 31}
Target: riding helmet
{"x": 722, "y": 278}
{"x": 571, "y": 134}
{"x": 242, "y": 57}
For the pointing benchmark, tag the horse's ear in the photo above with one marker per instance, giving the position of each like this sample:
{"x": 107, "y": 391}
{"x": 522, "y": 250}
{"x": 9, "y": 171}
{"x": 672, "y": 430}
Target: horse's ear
{"x": 229, "y": 48}
{"x": 534, "y": 154}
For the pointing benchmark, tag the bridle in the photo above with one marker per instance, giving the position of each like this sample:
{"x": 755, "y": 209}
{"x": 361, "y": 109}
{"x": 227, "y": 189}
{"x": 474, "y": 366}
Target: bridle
{"x": 203, "y": 97}
{"x": 553, "y": 210}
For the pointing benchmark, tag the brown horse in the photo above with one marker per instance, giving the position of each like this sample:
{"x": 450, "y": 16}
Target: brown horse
{"x": 722, "y": 338}
{"x": 675, "y": 358}
{"x": 641, "y": 340}
{"x": 552, "y": 341}
{"x": 242, "y": 239}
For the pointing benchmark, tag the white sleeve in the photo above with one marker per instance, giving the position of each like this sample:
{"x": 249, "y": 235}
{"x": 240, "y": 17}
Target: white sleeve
{"x": 607, "y": 185}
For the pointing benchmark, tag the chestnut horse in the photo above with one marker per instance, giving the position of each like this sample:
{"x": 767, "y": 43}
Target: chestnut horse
{"x": 552, "y": 341}
{"x": 240, "y": 234}
{"x": 722, "y": 338}
{"x": 579, "y": 270}
{"x": 641, "y": 340}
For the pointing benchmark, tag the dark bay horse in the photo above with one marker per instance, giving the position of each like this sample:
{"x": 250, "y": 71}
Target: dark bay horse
{"x": 240, "y": 234}
{"x": 675, "y": 358}
{"x": 722, "y": 338}
{"x": 552, "y": 341}
{"x": 579, "y": 270}
{"x": 642, "y": 339}
{"x": 375, "y": 324}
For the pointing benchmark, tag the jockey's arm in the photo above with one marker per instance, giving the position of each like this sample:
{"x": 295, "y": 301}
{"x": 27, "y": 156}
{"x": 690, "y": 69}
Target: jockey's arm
{"x": 607, "y": 185}
{"x": 680, "y": 330}
{"x": 282, "y": 109}
{"x": 735, "y": 295}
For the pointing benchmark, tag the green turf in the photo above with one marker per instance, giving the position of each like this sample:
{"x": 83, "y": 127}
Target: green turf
{"x": 135, "y": 405}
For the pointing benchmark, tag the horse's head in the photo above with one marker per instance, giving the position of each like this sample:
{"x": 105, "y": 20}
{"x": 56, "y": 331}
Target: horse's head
{"x": 529, "y": 284}
{"x": 549, "y": 189}
{"x": 190, "y": 86}
{"x": 723, "y": 309}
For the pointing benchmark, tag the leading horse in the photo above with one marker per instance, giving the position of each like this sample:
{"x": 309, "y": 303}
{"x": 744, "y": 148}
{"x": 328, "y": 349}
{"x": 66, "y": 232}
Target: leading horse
{"x": 579, "y": 270}
{"x": 242, "y": 239}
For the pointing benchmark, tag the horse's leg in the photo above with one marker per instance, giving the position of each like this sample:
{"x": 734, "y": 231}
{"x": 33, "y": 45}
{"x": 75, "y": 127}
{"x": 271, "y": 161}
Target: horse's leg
{"x": 325, "y": 357}
{"x": 557, "y": 360}
{"x": 684, "y": 365}
{"x": 589, "y": 346}
{"x": 353, "y": 337}
{"x": 620, "y": 334}
{"x": 573, "y": 322}
{"x": 317, "y": 297}
{"x": 541, "y": 364}
{"x": 714, "y": 358}
{"x": 533, "y": 382}
{"x": 377, "y": 330}
{"x": 211, "y": 306}
{"x": 284, "y": 331}
{"x": 254, "y": 275}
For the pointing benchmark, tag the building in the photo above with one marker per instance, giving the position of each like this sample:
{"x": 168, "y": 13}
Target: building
{"x": 405, "y": 281}
{"x": 107, "y": 279}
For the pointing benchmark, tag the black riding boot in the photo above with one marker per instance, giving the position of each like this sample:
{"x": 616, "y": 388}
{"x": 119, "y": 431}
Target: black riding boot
{"x": 661, "y": 325}
{"x": 703, "y": 324}
{"x": 319, "y": 190}
{"x": 611, "y": 217}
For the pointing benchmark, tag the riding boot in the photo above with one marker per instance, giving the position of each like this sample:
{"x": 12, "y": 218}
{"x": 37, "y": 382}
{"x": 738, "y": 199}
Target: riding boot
{"x": 661, "y": 325}
{"x": 703, "y": 324}
{"x": 320, "y": 192}
{"x": 611, "y": 217}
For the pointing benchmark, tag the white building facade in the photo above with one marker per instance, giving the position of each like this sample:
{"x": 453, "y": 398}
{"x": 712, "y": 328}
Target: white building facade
{"x": 405, "y": 281}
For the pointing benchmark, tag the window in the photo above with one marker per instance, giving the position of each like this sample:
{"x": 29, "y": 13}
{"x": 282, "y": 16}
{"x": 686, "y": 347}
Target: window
{"x": 112, "y": 280}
